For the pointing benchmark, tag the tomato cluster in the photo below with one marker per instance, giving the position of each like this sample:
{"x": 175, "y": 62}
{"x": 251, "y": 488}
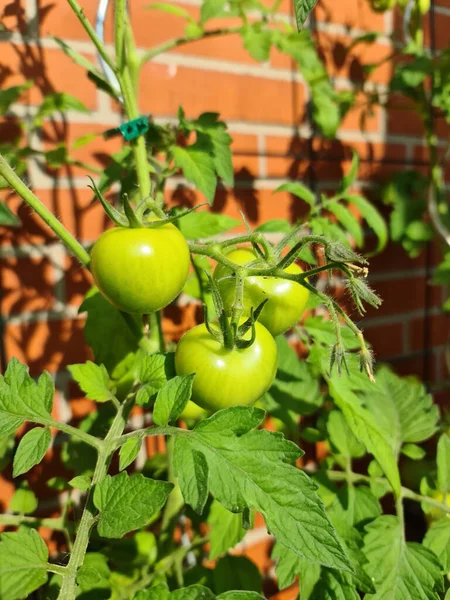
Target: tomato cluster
{"x": 142, "y": 270}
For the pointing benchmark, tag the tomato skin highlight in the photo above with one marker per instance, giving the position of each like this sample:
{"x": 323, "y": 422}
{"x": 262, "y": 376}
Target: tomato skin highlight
{"x": 286, "y": 299}
{"x": 140, "y": 270}
{"x": 223, "y": 378}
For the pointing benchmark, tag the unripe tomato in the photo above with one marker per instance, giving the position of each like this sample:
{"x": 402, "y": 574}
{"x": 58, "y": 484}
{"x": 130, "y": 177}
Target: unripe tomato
{"x": 286, "y": 299}
{"x": 140, "y": 270}
{"x": 224, "y": 377}
{"x": 193, "y": 412}
{"x": 424, "y": 6}
{"x": 435, "y": 513}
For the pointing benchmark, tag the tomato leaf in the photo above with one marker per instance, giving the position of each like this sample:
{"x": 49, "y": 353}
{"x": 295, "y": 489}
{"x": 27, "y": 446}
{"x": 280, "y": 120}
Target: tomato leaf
{"x": 31, "y": 450}
{"x": 302, "y": 10}
{"x": 373, "y": 218}
{"x": 398, "y": 567}
{"x": 348, "y": 221}
{"x": 115, "y": 495}
{"x": 226, "y": 530}
{"x": 24, "y": 501}
{"x": 197, "y": 164}
{"x": 437, "y": 539}
{"x": 129, "y": 451}
{"x": 299, "y": 190}
{"x": 236, "y": 572}
{"x": 7, "y": 217}
{"x": 197, "y": 225}
{"x": 23, "y": 563}
{"x": 93, "y": 380}
{"x": 257, "y": 41}
{"x": 257, "y": 469}
{"x": 191, "y": 470}
{"x": 443, "y": 464}
{"x": 172, "y": 399}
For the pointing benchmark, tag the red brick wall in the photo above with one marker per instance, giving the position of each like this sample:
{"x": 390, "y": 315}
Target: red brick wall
{"x": 264, "y": 105}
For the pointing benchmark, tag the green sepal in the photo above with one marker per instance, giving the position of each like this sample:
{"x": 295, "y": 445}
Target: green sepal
{"x": 116, "y": 217}
{"x": 174, "y": 219}
{"x": 133, "y": 221}
{"x": 216, "y": 334}
{"x": 254, "y": 316}
{"x": 224, "y": 323}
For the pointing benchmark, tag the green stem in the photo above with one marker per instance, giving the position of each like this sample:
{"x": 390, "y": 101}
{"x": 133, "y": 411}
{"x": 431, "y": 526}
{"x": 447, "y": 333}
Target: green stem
{"x": 154, "y": 430}
{"x": 76, "y": 433}
{"x": 57, "y": 524}
{"x": 58, "y": 569}
{"x": 170, "y": 44}
{"x": 47, "y": 216}
{"x": 68, "y": 588}
{"x": 91, "y": 33}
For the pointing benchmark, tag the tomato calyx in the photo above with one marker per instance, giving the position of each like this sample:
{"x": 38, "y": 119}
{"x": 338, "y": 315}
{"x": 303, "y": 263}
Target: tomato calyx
{"x": 231, "y": 332}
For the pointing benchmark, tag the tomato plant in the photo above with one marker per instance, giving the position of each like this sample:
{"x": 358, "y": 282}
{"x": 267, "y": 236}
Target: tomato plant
{"x": 286, "y": 300}
{"x": 140, "y": 270}
{"x": 339, "y": 518}
{"x": 223, "y": 377}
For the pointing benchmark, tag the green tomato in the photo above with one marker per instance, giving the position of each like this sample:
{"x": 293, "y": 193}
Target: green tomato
{"x": 424, "y": 6}
{"x": 193, "y": 412}
{"x": 286, "y": 299}
{"x": 224, "y": 377}
{"x": 140, "y": 270}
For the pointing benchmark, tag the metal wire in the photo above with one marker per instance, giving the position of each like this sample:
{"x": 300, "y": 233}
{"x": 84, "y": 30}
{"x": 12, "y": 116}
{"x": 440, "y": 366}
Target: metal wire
{"x": 100, "y": 31}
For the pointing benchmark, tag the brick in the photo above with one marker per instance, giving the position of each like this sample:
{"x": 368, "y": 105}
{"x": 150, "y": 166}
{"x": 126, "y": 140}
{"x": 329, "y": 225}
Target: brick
{"x": 441, "y": 29}
{"x": 165, "y": 88}
{"x": 361, "y": 118}
{"x": 436, "y": 334}
{"x": 386, "y": 340}
{"x": 27, "y": 285}
{"x": 351, "y": 13}
{"x": 394, "y": 258}
{"x": 245, "y": 156}
{"x": 58, "y": 19}
{"x": 402, "y": 118}
{"x": 50, "y": 70}
{"x": 13, "y": 16}
{"x": 46, "y": 345}
{"x": 96, "y": 153}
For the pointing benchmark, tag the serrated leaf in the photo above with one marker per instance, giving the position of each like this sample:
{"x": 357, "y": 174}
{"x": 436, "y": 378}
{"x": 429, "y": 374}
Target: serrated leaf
{"x": 198, "y": 225}
{"x": 157, "y": 592}
{"x": 172, "y": 399}
{"x": 226, "y": 530}
{"x": 236, "y": 573}
{"x": 240, "y": 595}
{"x": 197, "y": 164}
{"x": 7, "y": 217}
{"x": 350, "y": 177}
{"x": 275, "y": 226}
{"x": 437, "y": 539}
{"x": 341, "y": 436}
{"x": 128, "y": 502}
{"x": 191, "y": 469}
{"x": 93, "y": 380}
{"x": 299, "y": 190}
{"x": 256, "y": 469}
{"x": 372, "y": 217}
{"x": 302, "y": 10}
{"x": 257, "y": 41}
{"x": 400, "y": 569}
{"x": 24, "y": 501}
{"x": 211, "y": 9}
{"x": 31, "y": 450}
{"x": 212, "y": 135}
{"x": 193, "y": 592}
{"x": 80, "y": 482}
{"x": 22, "y": 398}
{"x": 23, "y": 563}
{"x": 129, "y": 451}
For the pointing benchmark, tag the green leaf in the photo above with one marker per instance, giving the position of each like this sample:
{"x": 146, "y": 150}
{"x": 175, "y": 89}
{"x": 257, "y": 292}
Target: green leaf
{"x": 153, "y": 372}
{"x": 94, "y": 574}
{"x": 226, "y": 530}
{"x": 31, "y": 450}
{"x": 191, "y": 469}
{"x": 349, "y": 179}
{"x": 236, "y": 573}
{"x": 58, "y": 102}
{"x": 197, "y": 164}
{"x": 257, "y": 469}
{"x": 342, "y": 437}
{"x": 157, "y": 592}
{"x": 413, "y": 451}
{"x": 365, "y": 427}
{"x": 412, "y": 74}
{"x": 93, "y": 380}
{"x": 22, "y": 398}
{"x": 211, "y": 9}
{"x": 193, "y": 592}
{"x": 348, "y": 221}
{"x": 129, "y": 451}
{"x": 322, "y": 331}
{"x": 80, "y": 482}
{"x": 373, "y": 218}
{"x": 212, "y": 135}
{"x": 437, "y": 539}
{"x": 402, "y": 408}
{"x": 443, "y": 464}
{"x": 10, "y": 95}
{"x": 400, "y": 569}
{"x": 198, "y": 225}
{"x": 7, "y": 217}
{"x": 275, "y": 226}
{"x": 257, "y": 41}
{"x": 24, "y": 501}
{"x": 107, "y": 333}
{"x": 23, "y": 563}
{"x": 172, "y": 399}
{"x": 240, "y": 595}
{"x": 299, "y": 190}
{"x": 171, "y": 9}
{"x": 302, "y": 10}
{"x": 114, "y": 496}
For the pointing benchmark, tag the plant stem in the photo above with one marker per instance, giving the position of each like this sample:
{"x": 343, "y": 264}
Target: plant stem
{"x": 91, "y": 33}
{"x": 170, "y": 44}
{"x": 76, "y": 433}
{"x": 57, "y": 524}
{"x": 47, "y": 216}
{"x": 154, "y": 430}
{"x": 68, "y": 588}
